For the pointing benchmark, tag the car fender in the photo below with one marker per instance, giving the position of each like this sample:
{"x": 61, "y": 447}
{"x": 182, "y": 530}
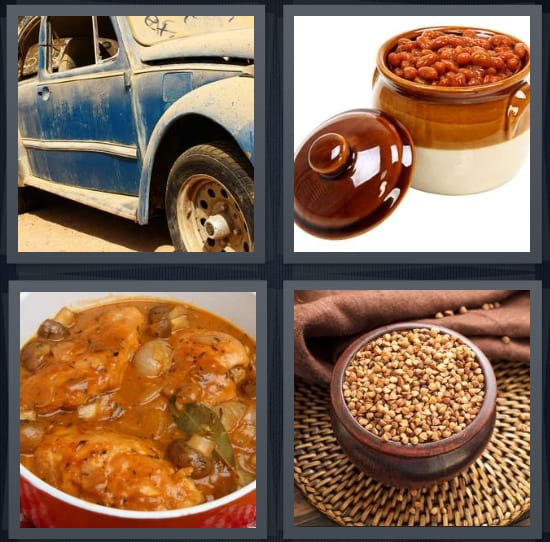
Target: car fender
{"x": 228, "y": 102}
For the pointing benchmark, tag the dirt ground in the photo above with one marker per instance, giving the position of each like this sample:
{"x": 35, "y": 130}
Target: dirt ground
{"x": 61, "y": 225}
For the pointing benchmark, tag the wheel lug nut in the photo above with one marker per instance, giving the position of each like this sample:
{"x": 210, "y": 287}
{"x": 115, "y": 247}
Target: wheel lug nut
{"x": 237, "y": 231}
{"x": 216, "y": 227}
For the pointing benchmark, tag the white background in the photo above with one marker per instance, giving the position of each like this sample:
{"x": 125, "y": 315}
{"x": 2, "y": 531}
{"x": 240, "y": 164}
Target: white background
{"x": 334, "y": 60}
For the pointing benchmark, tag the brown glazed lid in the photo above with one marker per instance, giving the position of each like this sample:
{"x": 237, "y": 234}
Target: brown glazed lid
{"x": 351, "y": 173}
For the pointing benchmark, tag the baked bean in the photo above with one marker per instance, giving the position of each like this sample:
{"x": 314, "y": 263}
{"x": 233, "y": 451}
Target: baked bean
{"x": 424, "y": 43}
{"x": 446, "y": 54}
{"x": 432, "y": 34}
{"x": 460, "y": 79}
{"x": 520, "y": 50}
{"x": 406, "y": 55}
{"x": 406, "y": 44}
{"x": 513, "y": 63}
{"x": 409, "y": 73}
{"x": 499, "y": 40}
{"x": 427, "y": 60}
{"x": 428, "y": 73}
{"x": 483, "y": 43}
{"x": 393, "y": 59}
{"x": 450, "y": 66}
{"x": 440, "y": 67}
{"x": 481, "y": 59}
{"x": 479, "y": 74}
{"x": 463, "y": 58}
{"x": 451, "y": 79}
{"x": 442, "y": 41}
{"x": 470, "y": 57}
{"x": 497, "y": 64}
{"x": 445, "y": 81}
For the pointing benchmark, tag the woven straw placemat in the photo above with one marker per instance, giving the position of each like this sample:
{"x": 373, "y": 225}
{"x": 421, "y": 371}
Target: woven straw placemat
{"x": 495, "y": 490}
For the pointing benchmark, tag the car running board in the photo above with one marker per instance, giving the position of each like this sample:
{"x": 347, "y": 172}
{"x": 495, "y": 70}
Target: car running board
{"x": 117, "y": 204}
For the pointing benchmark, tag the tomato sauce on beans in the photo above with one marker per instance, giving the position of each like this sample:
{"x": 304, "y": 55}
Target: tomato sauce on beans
{"x": 468, "y": 58}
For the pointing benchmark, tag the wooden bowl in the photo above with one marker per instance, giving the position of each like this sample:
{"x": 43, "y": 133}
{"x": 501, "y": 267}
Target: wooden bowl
{"x": 424, "y": 464}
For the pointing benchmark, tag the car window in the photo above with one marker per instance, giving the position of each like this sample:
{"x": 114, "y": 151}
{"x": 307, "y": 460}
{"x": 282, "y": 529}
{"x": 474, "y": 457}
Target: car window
{"x": 107, "y": 39}
{"x": 80, "y": 41}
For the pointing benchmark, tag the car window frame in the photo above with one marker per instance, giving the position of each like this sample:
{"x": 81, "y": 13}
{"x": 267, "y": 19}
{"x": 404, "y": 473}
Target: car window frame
{"x": 98, "y": 61}
{"x": 23, "y": 38}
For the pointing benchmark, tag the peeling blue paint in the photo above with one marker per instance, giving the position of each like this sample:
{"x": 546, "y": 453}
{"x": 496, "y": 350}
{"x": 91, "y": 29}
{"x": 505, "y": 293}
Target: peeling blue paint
{"x": 86, "y": 170}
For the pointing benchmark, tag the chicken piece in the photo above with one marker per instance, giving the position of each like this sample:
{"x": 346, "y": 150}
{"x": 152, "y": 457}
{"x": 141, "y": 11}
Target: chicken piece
{"x": 90, "y": 365}
{"x": 202, "y": 361}
{"x": 112, "y": 469}
{"x": 217, "y": 350}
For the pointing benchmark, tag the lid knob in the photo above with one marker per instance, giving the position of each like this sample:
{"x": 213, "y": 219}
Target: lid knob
{"x": 351, "y": 172}
{"x": 329, "y": 155}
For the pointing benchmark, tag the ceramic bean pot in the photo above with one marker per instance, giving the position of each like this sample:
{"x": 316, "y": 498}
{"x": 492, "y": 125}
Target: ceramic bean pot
{"x": 468, "y": 139}
{"x": 422, "y": 465}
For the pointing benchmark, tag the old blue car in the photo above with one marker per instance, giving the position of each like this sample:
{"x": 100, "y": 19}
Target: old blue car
{"x": 140, "y": 115}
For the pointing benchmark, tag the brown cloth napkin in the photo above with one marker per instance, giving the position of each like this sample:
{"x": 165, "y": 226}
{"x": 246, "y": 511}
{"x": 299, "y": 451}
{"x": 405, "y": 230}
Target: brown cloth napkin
{"x": 326, "y": 321}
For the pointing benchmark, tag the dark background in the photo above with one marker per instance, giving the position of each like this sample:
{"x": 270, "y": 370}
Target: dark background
{"x": 275, "y": 271}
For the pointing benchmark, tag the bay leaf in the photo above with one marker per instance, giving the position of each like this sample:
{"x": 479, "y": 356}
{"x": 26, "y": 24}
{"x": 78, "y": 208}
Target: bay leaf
{"x": 198, "y": 419}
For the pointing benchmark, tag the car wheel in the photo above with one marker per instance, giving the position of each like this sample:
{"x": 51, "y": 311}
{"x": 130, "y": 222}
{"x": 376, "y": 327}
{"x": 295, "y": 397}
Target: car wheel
{"x": 210, "y": 200}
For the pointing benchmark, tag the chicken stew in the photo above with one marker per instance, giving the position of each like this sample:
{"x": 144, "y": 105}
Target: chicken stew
{"x": 140, "y": 405}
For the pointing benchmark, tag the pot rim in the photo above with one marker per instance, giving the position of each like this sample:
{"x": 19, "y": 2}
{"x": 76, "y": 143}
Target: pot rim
{"x": 435, "y": 90}
{"x": 39, "y": 484}
{"x": 424, "y": 450}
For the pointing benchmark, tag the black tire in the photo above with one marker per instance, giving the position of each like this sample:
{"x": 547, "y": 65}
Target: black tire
{"x": 206, "y": 181}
